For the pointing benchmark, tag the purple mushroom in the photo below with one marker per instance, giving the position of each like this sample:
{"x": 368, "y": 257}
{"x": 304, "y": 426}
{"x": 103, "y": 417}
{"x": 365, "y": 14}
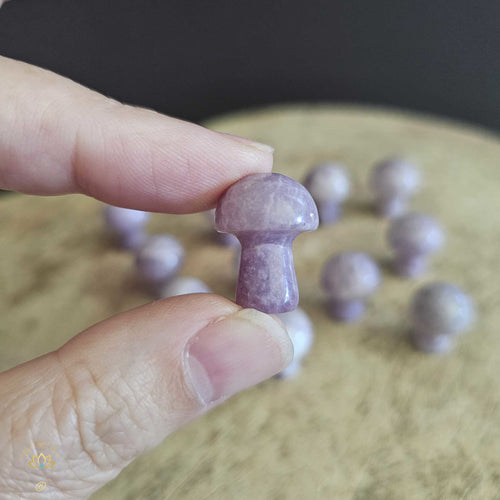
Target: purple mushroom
{"x": 414, "y": 238}
{"x": 329, "y": 185}
{"x": 159, "y": 260}
{"x": 301, "y": 331}
{"x": 266, "y": 212}
{"x": 349, "y": 278}
{"x": 127, "y": 225}
{"x": 394, "y": 182}
{"x": 439, "y": 312}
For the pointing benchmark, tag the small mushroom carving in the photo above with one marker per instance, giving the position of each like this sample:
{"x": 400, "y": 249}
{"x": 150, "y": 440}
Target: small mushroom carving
{"x": 266, "y": 212}
{"x": 158, "y": 261}
{"x": 127, "y": 225}
{"x": 301, "y": 331}
{"x": 394, "y": 181}
{"x": 414, "y": 238}
{"x": 330, "y": 186}
{"x": 349, "y": 278}
{"x": 438, "y": 313}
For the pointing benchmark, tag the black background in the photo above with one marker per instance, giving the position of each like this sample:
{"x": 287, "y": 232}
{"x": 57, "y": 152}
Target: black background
{"x": 195, "y": 59}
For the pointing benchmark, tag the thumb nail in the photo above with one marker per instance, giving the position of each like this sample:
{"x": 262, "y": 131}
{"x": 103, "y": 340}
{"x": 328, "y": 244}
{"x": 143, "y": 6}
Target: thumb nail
{"x": 249, "y": 142}
{"x": 236, "y": 352}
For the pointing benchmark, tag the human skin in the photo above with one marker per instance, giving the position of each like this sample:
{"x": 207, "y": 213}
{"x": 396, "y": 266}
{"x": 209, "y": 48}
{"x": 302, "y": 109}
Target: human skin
{"x": 120, "y": 387}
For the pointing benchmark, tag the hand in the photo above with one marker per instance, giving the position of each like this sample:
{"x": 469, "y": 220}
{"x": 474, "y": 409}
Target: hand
{"x": 117, "y": 389}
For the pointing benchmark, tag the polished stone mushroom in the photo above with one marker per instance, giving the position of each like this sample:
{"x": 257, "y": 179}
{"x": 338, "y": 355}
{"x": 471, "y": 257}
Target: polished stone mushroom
{"x": 301, "y": 332}
{"x": 414, "y": 238}
{"x": 330, "y": 186}
{"x": 266, "y": 212}
{"x": 438, "y": 313}
{"x": 128, "y": 226}
{"x": 349, "y": 278}
{"x": 394, "y": 181}
{"x": 159, "y": 260}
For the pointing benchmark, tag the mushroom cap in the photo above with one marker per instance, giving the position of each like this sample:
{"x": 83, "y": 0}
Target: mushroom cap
{"x": 328, "y": 182}
{"x": 182, "y": 285}
{"x": 301, "y": 331}
{"x": 123, "y": 220}
{"x": 416, "y": 233}
{"x": 395, "y": 177}
{"x": 441, "y": 308}
{"x": 160, "y": 258}
{"x": 266, "y": 202}
{"x": 350, "y": 276}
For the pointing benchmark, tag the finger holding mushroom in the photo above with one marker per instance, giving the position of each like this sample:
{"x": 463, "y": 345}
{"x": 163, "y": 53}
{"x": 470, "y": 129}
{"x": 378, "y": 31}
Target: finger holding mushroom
{"x": 330, "y": 186}
{"x": 266, "y": 212}
{"x": 349, "y": 278}
{"x": 414, "y": 238}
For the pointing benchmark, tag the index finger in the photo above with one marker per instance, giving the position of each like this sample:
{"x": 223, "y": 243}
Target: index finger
{"x": 58, "y": 137}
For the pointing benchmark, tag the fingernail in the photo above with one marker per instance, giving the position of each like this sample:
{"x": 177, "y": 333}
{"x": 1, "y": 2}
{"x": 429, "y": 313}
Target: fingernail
{"x": 261, "y": 147}
{"x": 249, "y": 142}
{"x": 236, "y": 352}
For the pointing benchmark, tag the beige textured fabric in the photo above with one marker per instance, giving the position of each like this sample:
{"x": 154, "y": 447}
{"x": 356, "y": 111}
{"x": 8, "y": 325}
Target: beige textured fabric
{"x": 369, "y": 417}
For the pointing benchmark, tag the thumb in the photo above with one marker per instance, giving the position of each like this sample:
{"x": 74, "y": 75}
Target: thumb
{"x": 117, "y": 389}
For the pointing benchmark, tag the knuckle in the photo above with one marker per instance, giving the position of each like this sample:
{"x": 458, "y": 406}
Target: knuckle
{"x": 106, "y": 419}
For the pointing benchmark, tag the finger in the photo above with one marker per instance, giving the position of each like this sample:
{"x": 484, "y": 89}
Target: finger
{"x": 58, "y": 137}
{"x": 119, "y": 388}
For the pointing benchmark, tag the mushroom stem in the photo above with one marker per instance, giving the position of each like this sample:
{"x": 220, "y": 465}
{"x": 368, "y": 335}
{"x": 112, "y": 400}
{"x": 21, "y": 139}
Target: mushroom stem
{"x": 438, "y": 343}
{"x": 410, "y": 265}
{"x": 267, "y": 280}
{"x": 329, "y": 212}
{"x": 392, "y": 207}
{"x": 346, "y": 310}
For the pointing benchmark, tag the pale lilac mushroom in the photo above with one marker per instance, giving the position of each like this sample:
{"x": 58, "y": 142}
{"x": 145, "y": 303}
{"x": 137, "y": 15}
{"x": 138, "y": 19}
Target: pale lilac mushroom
{"x": 438, "y": 313}
{"x": 183, "y": 285}
{"x": 349, "y": 278}
{"x": 414, "y": 238}
{"x": 128, "y": 226}
{"x": 159, "y": 260}
{"x": 394, "y": 181}
{"x": 330, "y": 186}
{"x": 301, "y": 332}
{"x": 266, "y": 212}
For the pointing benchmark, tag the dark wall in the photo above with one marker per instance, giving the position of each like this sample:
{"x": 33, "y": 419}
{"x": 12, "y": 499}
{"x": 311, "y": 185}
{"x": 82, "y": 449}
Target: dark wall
{"x": 197, "y": 58}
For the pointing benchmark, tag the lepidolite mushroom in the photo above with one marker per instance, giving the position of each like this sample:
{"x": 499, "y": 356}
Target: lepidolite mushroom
{"x": 266, "y": 212}
{"x": 349, "y": 278}
{"x": 414, "y": 238}
{"x": 439, "y": 312}
{"x": 127, "y": 225}
{"x": 329, "y": 185}
{"x": 394, "y": 181}
{"x": 301, "y": 332}
{"x": 158, "y": 261}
